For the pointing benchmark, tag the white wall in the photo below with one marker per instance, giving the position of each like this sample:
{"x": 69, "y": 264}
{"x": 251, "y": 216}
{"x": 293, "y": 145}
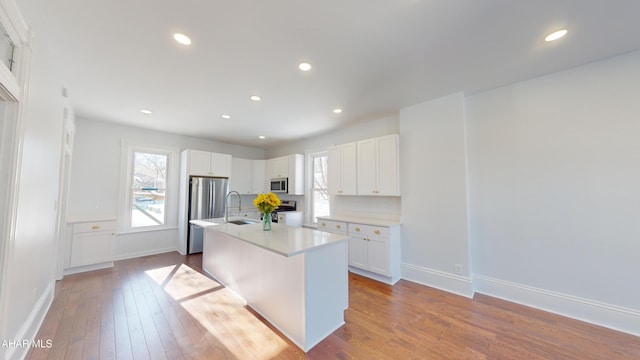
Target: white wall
{"x": 555, "y": 195}
{"x": 95, "y": 178}
{"x": 434, "y": 188}
{"x": 31, "y": 259}
{"x": 95, "y": 173}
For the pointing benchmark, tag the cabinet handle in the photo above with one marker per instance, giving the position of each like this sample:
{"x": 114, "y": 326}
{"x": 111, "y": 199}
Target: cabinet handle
{"x": 337, "y": 226}
{"x": 357, "y": 229}
{"x": 95, "y": 227}
{"x": 340, "y": 191}
{"x": 323, "y": 224}
{"x": 377, "y": 232}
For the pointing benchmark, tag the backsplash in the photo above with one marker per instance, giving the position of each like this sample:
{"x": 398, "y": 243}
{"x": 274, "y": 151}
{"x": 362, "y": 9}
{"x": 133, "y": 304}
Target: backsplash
{"x": 376, "y": 207}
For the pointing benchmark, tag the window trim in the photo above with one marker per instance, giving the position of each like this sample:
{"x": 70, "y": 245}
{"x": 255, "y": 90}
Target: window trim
{"x": 310, "y": 155}
{"x": 128, "y": 148}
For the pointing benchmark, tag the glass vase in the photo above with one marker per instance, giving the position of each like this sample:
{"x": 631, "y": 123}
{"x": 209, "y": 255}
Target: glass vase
{"x": 266, "y": 222}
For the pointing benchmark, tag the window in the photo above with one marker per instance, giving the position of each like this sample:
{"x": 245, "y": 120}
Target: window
{"x": 148, "y": 189}
{"x": 149, "y": 185}
{"x": 319, "y": 194}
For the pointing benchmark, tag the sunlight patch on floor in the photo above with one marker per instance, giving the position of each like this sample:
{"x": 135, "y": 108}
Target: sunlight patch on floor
{"x": 220, "y": 311}
{"x": 182, "y": 282}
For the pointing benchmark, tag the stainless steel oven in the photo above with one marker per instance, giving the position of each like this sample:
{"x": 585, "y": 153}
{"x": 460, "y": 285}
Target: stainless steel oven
{"x": 279, "y": 185}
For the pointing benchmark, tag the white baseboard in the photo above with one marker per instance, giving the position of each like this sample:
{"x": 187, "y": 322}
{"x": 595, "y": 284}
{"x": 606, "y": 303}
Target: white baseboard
{"x": 438, "y": 279}
{"x": 145, "y": 253}
{"x": 385, "y": 279}
{"x": 595, "y": 312}
{"x": 85, "y": 268}
{"x": 31, "y": 326}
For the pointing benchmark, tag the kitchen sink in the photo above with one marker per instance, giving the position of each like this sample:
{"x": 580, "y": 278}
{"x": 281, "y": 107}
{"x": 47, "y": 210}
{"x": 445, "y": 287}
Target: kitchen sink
{"x": 242, "y": 222}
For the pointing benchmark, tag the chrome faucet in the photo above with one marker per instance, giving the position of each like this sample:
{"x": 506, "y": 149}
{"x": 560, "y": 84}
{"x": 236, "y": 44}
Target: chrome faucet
{"x": 226, "y": 205}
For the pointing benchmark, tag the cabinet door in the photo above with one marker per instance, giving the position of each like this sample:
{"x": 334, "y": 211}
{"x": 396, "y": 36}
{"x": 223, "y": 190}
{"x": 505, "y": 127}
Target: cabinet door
{"x": 220, "y": 165}
{"x": 378, "y": 256}
{"x": 348, "y": 171}
{"x": 334, "y": 170}
{"x": 199, "y": 163}
{"x": 387, "y": 165}
{"x": 241, "y": 176}
{"x": 366, "y": 165}
{"x": 91, "y": 248}
{"x": 358, "y": 252}
{"x": 258, "y": 178}
{"x": 279, "y": 167}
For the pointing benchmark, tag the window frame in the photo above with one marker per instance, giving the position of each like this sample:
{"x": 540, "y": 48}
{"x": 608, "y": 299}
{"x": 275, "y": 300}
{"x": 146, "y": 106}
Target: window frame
{"x": 129, "y": 149}
{"x": 310, "y": 208}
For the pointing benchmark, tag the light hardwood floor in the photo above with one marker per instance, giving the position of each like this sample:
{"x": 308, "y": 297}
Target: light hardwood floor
{"x": 163, "y": 307}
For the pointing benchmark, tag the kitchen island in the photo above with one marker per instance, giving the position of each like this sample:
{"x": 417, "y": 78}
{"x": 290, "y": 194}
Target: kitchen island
{"x": 296, "y": 278}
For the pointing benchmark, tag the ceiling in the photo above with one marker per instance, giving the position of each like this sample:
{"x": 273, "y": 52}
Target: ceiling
{"x": 369, "y": 57}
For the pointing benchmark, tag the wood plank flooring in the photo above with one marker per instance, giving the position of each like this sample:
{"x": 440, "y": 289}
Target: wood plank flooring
{"x": 163, "y": 307}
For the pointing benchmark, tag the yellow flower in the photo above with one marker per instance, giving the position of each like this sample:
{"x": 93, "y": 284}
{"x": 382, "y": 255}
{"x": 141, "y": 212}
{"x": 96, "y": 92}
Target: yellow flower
{"x": 266, "y": 203}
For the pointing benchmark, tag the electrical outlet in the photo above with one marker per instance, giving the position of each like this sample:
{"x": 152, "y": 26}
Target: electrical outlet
{"x": 458, "y": 269}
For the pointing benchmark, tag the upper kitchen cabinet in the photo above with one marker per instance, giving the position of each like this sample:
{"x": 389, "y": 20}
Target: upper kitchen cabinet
{"x": 378, "y": 166}
{"x": 278, "y": 167}
{"x": 290, "y": 167}
{"x": 341, "y": 170}
{"x": 247, "y": 176}
{"x": 202, "y": 163}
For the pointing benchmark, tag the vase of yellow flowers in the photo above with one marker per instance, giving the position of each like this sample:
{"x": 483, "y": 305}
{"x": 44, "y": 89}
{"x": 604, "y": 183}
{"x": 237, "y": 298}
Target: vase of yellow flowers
{"x": 266, "y": 203}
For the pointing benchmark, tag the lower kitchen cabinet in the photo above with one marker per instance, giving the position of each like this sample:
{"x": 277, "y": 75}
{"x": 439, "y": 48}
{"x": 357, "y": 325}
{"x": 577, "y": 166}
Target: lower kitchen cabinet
{"x": 92, "y": 243}
{"x": 374, "y": 250}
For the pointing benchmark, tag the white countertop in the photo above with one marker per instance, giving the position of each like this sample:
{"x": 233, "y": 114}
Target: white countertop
{"x": 282, "y": 239}
{"x": 362, "y": 220}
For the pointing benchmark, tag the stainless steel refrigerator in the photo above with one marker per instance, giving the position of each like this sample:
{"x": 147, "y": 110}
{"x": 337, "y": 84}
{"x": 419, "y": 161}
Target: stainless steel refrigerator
{"x": 206, "y": 201}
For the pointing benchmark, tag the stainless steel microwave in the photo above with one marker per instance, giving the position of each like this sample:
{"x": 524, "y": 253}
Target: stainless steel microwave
{"x": 279, "y": 185}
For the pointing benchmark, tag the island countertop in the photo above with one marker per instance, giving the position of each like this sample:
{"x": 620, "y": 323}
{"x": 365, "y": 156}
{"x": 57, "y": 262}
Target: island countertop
{"x": 282, "y": 239}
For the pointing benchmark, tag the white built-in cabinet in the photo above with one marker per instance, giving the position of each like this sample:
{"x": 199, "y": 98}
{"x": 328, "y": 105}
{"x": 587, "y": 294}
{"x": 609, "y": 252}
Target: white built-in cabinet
{"x": 341, "y": 170}
{"x": 291, "y": 167}
{"x": 291, "y": 218}
{"x": 278, "y": 167}
{"x": 92, "y": 243}
{"x": 374, "y": 250}
{"x": 203, "y": 163}
{"x": 247, "y": 176}
{"x": 378, "y": 166}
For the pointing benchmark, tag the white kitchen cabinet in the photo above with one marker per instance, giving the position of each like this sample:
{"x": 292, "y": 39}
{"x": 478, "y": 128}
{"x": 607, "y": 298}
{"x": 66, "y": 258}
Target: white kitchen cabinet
{"x": 341, "y": 170}
{"x": 378, "y": 166}
{"x": 290, "y": 167}
{"x": 247, "y": 176}
{"x": 278, "y": 167}
{"x": 258, "y": 184}
{"x": 92, "y": 243}
{"x": 241, "y": 179}
{"x": 291, "y": 218}
{"x": 373, "y": 249}
{"x": 202, "y": 163}
{"x": 336, "y": 227}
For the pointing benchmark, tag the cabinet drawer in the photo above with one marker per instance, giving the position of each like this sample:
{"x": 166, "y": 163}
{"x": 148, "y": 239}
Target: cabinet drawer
{"x": 337, "y": 227}
{"x": 96, "y": 226}
{"x": 369, "y": 231}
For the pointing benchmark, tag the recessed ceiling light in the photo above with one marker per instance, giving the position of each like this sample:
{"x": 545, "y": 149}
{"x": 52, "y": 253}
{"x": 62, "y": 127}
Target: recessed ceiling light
{"x": 337, "y": 111}
{"x": 304, "y": 66}
{"x": 146, "y": 111}
{"x": 182, "y": 39}
{"x": 226, "y": 116}
{"x": 262, "y": 137}
{"x": 555, "y": 35}
{"x": 255, "y": 98}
